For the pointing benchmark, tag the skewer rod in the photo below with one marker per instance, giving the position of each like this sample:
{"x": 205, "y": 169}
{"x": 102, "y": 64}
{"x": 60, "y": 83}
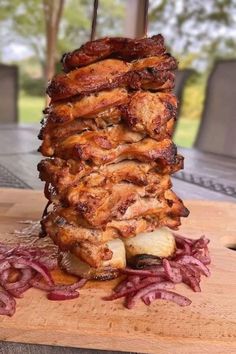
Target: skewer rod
{"x": 94, "y": 20}
{"x": 136, "y": 21}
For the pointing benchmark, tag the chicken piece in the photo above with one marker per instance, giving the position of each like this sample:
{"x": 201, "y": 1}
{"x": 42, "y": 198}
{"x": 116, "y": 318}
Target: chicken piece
{"x": 99, "y": 152}
{"x": 123, "y": 48}
{"x": 149, "y": 112}
{"x": 146, "y": 112}
{"x": 88, "y": 106}
{"x": 75, "y": 239}
{"x": 64, "y": 227}
{"x": 90, "y": 245}
{"x": 54, "y": 137}
{"x": 96, "y": 207}
{"x": 105, "y": 139}
{"x": 99, "y": 204}
{"x": 62, "y": 174}
{"x": 138, "y": 110}
{"x": 109, "y": 74}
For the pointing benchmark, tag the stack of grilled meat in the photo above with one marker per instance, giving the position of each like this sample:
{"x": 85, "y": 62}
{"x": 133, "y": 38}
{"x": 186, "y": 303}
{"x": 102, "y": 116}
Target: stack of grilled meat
{"x": 107, "y": 135}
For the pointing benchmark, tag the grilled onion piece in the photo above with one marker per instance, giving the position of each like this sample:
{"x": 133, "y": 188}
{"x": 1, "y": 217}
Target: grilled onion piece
{"x": 159, "y": 243}
{"x": 110, "y": 270}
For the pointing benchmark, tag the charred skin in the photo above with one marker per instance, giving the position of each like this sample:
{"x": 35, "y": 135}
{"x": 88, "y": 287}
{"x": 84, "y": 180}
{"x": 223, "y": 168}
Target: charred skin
{"x": 122, "y": 48}
{"x": 113, "y": 73}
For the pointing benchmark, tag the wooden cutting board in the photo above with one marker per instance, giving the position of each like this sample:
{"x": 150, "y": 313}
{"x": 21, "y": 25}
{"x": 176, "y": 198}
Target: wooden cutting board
{"x": 207, "y": 326}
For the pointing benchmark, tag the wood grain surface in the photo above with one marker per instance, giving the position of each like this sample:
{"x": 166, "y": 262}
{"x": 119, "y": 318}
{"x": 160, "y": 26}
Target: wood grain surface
{"x": 207, "y": 326}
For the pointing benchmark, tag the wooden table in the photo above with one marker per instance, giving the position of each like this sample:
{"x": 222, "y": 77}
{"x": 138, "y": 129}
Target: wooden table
{"x": 207, "y": 176}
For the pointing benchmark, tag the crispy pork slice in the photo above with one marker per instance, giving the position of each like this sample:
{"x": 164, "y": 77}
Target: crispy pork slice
{"x": 62, "y": 174}
{"x": 122, "y": 48}
{"x": 111, "y": 73}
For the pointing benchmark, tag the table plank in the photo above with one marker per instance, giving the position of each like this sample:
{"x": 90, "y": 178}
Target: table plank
{"x": 19, "y": 140}
{"x": 220, "y": 168}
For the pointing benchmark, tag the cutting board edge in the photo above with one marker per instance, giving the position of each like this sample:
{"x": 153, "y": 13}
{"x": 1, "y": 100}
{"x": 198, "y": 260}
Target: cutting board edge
{"x": 181, "y": 346}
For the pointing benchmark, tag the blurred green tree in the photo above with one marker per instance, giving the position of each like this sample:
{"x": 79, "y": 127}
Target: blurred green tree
{"x": 50, "y": 27}
{"x": 198, "y": 31}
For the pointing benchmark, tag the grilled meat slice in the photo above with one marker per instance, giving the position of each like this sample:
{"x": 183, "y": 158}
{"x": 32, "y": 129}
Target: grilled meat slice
{"x": 103, "y": 151}
{"x": 89, "y": 244}
{"x": 87, "y": 106}
{"x": 112, "y": 73}
{"x": 142, "y": 111}
{"x": 148, "y": 112}
{"x": 122, "y": 48}
{"x": 105, "y": 139}
{"x": 62, "y": 174}
{"x": 96, "y": 207}
{"x": 100, "y": 204}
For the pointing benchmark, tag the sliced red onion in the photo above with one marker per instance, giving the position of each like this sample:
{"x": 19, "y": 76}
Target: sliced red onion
{"x": 173, "y": 274}
{"x": 165, "y": 295}
{"x": 131, "y": 302}
{"x": 205, "y": 259}
{"x": 26, "y": 275}
{"x": 38, "y": 267}
{"x": 128, "y": 290}
{"x": 127, "y": 283}
{"x": 189, "y": 279}
{"x": 7, "y": 304}
{"x": 180, "y": 238}
{"x": 59, "y": 295}
{"x": 192, "y": 260}
{"x": 38, "y": 284}
{"x": 4, "y": 264}
{"x": 202, "y": 242}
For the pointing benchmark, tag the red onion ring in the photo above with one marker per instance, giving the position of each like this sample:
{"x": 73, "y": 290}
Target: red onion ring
{"x": 60, "y": 295}
{"x": 173, "y": 274}
{"x": 7, "y": 304}
{"x": 165, "y": 295}
{"x": 186, "y": 266}
{"x": 131, "y": 302}
{"x": 192, "y": 260}
{"x": 128, "y": 290}
{"x": 38, "y": 267}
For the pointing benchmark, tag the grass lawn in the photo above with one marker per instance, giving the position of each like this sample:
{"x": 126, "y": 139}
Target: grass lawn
{"x": 30, "y": 108}
{"x": 31, "y": 112}
{"x": 186, "y": 132}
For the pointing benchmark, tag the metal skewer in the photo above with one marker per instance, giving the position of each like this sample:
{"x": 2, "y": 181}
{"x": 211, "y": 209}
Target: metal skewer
{"x": 145, "y": 20}
{"x": 94, "y": 20}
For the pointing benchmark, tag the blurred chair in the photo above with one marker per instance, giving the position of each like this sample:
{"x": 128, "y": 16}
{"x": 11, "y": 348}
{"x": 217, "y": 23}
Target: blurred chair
{"x": 8, "y": 94}
{"x": 180, "y": 81}
{"x": 217, "y": 132}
